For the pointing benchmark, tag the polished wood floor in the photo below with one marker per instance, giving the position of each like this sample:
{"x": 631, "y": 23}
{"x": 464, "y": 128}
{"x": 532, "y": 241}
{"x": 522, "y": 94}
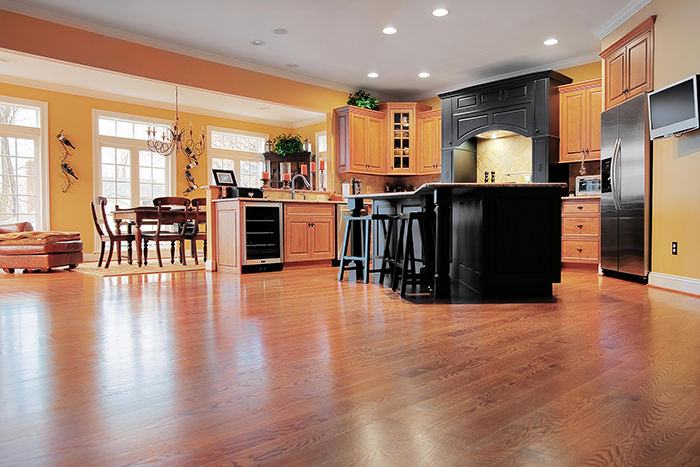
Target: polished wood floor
{"x": 297, "y": 369}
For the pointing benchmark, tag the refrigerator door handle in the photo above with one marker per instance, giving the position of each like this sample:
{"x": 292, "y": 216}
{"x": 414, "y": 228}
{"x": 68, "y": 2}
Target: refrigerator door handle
{"x": 613, "y": 173}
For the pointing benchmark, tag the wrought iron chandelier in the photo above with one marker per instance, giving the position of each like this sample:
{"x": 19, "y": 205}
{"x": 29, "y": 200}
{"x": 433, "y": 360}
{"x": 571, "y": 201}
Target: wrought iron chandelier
{"x": 179, "y": 140}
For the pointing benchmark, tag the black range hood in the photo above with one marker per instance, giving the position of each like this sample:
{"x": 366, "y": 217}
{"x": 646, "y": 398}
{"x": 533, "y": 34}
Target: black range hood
{"x": 527, "y": 105}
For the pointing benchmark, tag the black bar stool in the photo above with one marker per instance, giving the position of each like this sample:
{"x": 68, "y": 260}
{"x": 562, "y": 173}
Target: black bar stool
{"x": 363, "y": 262}
{"x": 404, "y": 257}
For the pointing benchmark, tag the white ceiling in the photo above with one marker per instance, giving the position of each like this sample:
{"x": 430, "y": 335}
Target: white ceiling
{"x": 336, "y": 43}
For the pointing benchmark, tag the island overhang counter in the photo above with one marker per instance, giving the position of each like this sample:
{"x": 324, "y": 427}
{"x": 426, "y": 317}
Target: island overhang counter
{"x": 500, "y": 240}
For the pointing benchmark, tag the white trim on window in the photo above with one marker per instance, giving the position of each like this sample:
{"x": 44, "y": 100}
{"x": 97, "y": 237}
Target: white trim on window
{"x": 40, "y": 134}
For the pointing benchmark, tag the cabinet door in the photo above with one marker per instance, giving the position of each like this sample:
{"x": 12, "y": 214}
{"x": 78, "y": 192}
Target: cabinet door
{"x": 429, "y": 144}
{"x": 227, "y": 238}
{"x": 639, "y": 68}
{"x": 375, "y": 144}
{"x": 595, "y": 107}
{"x": 616, "y": 78}
{"x": 322, "y": 238}
{"x": 573, "y": 108}
{"x": 296, "y": 238}
{"x": 358, "y": 143}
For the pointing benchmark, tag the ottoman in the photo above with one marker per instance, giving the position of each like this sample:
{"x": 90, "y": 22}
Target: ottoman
{"x": 42, "y": 251}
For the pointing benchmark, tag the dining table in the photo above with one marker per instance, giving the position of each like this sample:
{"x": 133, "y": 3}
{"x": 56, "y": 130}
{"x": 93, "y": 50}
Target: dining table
{"x": 144, "y": 215}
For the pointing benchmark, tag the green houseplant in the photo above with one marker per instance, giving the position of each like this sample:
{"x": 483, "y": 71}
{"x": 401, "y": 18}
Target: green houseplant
{"x": 287, "y": 144}
{"x": 364, "y": 100}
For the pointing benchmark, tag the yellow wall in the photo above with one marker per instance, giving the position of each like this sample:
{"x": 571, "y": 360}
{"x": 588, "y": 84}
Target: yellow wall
{"x": 676, "y": 162}
{"x": 583, "y": 72}
{"x": 70, "y": 211}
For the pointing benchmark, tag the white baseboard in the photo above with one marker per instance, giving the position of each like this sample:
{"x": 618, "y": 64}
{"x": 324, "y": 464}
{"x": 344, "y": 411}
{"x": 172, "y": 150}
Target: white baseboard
{"x": 677, "y": 283}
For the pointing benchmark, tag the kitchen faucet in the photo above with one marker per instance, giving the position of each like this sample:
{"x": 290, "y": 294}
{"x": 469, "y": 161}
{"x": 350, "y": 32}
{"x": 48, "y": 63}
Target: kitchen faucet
{"x": 306, "y": 182}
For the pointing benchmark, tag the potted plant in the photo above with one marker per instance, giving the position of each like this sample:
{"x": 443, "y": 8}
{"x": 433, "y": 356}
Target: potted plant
{"x": 364, "y": 100}
{"x": 287, "y": 144}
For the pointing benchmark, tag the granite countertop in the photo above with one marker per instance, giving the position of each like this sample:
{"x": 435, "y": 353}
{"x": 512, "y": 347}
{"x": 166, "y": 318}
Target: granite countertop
{"x": 312, "y": 201}
{"x": 573, "y": 197}
{"x": 457, "y": 187}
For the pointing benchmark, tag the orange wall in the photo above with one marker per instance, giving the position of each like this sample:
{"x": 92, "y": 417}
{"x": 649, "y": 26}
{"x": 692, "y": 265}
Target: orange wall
{"x": 70, "y": 211}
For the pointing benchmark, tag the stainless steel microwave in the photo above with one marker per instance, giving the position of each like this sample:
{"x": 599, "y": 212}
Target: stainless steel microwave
{"x": 588, "y": 185}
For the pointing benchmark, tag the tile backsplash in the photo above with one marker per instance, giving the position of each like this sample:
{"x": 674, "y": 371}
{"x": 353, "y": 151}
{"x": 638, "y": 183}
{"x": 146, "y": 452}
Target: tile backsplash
{"x": 504, "y": 155}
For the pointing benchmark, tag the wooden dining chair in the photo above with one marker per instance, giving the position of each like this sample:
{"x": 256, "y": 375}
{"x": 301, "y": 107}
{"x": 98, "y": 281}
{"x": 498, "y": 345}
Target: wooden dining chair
{"x": 169, "y": 228}
{"x": 197, "y": 230}
{"x": 99, "y": 215}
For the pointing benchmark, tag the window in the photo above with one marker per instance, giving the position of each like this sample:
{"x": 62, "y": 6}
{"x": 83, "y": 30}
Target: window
{"x": 128, "y": 174}
{"x": 23, "y": 164}
{"x": 236, "y": 150}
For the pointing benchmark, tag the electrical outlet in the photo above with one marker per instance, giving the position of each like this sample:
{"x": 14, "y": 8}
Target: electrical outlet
{"x": 674, "y": 248}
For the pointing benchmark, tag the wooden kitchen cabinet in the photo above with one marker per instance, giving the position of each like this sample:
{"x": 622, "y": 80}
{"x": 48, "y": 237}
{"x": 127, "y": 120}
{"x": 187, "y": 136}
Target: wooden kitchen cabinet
{"x": 628, "y": 65}
{"x": 360, "y": 140}
{"x": 309, "y": 232}
{"x": 580, "y": 230}
{"x": 580, "y": 105}
{"x": 429, "y": 140}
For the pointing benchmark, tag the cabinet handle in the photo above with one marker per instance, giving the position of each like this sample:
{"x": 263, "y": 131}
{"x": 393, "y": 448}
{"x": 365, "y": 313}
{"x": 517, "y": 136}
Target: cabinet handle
{"x": 580, "y": 226}
{"x": 579, "y": 207}
{"x": 579, "y": 250}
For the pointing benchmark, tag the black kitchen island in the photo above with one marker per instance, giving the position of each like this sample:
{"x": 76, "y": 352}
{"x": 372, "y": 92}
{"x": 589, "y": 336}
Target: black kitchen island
{"x": 500, "y": 240}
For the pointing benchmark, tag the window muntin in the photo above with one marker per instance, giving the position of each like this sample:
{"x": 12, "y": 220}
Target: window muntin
{"x": 237, "y": 142}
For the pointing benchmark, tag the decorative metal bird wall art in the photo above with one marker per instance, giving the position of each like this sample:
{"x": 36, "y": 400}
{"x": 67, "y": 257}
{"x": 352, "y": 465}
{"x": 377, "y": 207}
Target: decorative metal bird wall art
{"x": 66, "y": 170}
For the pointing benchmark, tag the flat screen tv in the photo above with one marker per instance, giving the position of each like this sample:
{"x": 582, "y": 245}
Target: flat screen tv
{"x": 673, "y": 110}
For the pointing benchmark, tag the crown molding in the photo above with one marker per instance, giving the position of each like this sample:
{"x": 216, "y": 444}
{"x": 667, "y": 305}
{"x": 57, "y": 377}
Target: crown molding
{"x": 623, "y": 15}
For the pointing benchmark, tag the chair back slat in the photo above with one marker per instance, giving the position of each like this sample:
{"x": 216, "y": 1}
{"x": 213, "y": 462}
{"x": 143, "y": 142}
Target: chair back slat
{"x": 200, "y": 213}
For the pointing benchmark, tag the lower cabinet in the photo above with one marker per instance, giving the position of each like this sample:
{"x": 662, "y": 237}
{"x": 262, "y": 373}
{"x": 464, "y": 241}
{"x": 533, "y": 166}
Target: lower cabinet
{"x": 580, "y": 231}
{"x": 309, "y": 232}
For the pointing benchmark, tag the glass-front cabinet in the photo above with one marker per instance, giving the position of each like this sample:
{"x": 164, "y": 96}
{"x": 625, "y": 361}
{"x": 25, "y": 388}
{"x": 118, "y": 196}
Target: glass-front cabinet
{"x": 402, "y": 136}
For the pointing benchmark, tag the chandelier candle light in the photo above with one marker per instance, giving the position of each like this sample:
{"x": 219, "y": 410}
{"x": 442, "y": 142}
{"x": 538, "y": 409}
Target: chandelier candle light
{"x": 178, "y": 140}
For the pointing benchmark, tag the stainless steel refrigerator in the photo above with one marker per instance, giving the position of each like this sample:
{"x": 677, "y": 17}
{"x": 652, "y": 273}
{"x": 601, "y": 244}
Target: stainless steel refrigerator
{"x": 625, "y": 200}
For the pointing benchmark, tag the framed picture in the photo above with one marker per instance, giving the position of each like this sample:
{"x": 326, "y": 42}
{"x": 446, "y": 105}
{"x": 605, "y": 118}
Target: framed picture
{"x": 224, "y": 177}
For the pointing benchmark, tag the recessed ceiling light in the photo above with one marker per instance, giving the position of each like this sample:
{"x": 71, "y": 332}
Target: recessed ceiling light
{"x": 373, "y": 75}
{"x": 423, "y": 75}
{"x": 441, "y": 12}
{"x": 258, "y": 42}
{"x": 550, "y": 41}
{"x": 281, "y": 31}
{"x": 8, "y": 60}
{"x": 390, "y": 30}
{"x": 292, "y": 65}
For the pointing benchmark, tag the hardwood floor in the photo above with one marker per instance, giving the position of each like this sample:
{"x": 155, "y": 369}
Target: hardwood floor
{"x": 296, "y": 369}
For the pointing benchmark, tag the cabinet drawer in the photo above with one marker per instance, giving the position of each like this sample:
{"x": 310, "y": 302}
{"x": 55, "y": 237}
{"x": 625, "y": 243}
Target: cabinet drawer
{"x": 580, "y": 206}
{"x": 308, "y": 209}
{"x": 580, "y": 226}
{"x": 579, "y": 250}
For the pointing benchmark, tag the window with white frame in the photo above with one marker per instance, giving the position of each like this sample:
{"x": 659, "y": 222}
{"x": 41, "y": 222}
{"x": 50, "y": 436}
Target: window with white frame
{"x": 237, "y": 150}
{"x": 23, "y": 162}
{"x": 127, "y": 173}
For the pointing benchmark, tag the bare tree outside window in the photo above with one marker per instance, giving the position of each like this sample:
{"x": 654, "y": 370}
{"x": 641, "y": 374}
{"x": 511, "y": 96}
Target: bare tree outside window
{"x": 17, "y": 167}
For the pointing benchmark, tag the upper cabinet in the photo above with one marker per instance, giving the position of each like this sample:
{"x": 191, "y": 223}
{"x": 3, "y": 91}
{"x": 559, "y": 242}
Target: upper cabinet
{"x": 388, "y": 141}
{"x": 628, "y": 65}
{"x": 429, "y": 138}
{"x": 580, "y": 105}
{"x": 360, "y": 140}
